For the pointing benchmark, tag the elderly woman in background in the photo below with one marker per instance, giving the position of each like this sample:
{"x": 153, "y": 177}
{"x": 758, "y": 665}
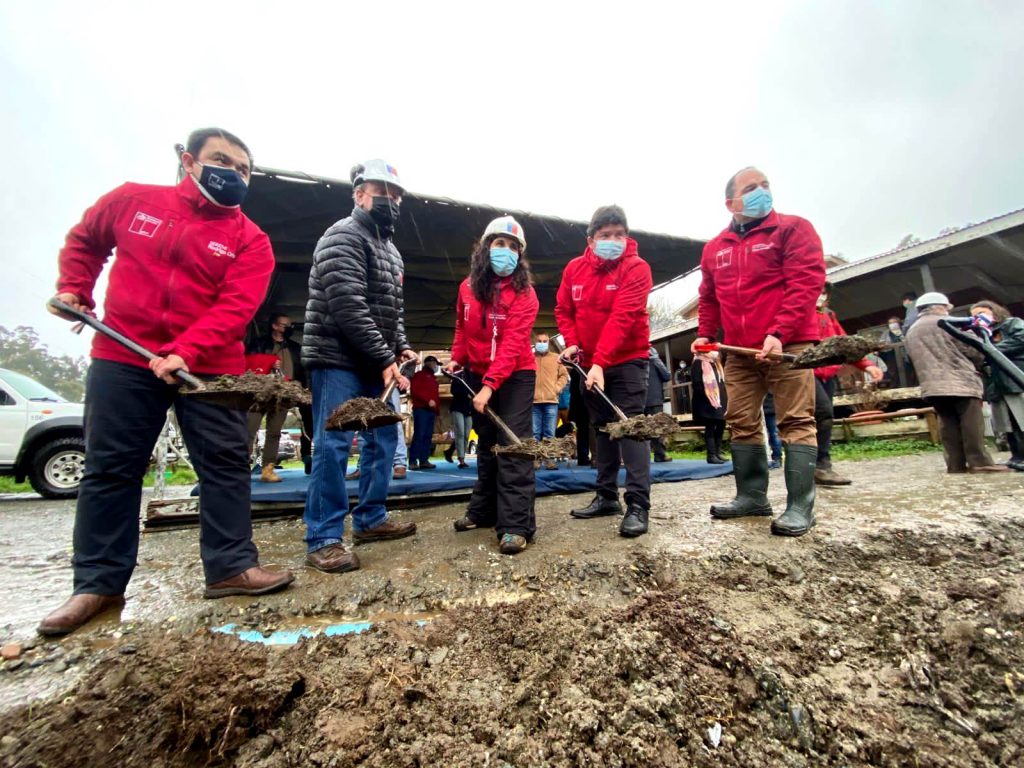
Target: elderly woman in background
{"x": 1004, "y": 394}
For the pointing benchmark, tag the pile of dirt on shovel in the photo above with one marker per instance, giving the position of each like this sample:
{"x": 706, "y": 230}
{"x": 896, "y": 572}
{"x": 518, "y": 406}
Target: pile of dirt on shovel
{"x": 837, "y": 349}
{"x": 643, "y": 427}
{"x": 360, "y": 411}
{"x": 265, "y": 393}
{"x": 549, "y": 448}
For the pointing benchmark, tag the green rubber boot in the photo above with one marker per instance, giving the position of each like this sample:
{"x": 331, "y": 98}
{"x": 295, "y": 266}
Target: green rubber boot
{"x": 750, "y": 465}
{"x": 798, "y": 518}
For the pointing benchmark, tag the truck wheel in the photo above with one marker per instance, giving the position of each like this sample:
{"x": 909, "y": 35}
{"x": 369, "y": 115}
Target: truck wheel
{"x": 57, "y": 467}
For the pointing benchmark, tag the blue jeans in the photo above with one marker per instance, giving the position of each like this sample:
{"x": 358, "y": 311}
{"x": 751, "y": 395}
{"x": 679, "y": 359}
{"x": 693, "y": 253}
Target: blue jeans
{"x": 545, "y": 417}
{"x": 773, "y": 436}
{"x": 327, "y": 497}
{"x": 461, "y": 424}
{"x": 422, "y": 434}
{"x": 401, "y": 449}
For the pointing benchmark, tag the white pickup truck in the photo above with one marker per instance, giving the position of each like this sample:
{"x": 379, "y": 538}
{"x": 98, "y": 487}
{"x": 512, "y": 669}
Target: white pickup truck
{"x": 41, "y": 436}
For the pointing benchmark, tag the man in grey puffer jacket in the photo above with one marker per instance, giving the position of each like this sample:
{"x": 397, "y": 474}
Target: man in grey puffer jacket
{"x": 353, "y": 337}
{"x": 950, "y": 383}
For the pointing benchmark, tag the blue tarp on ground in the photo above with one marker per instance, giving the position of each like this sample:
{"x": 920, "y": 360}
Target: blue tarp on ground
{"x": 448, "y": 479}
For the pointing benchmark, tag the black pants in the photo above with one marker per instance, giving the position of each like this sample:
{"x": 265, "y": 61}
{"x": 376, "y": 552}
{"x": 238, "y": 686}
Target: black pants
{"x": 657, "y": 444}
{"x": 714, "y": 431}
{"x": 626, "y": 386}
{"x": 505, "y": 486}
{"x": 125, "y": 409}
{"x": 962, "y": 429}
{"x": 581, "y": 418}
{"x": 824, "y": 392}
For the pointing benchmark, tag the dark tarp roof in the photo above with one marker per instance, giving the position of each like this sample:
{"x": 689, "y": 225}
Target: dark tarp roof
{"x": 435, "y": 237}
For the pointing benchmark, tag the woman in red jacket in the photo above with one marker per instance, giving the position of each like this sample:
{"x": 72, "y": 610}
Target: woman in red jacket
{"x": 494, "y": 317}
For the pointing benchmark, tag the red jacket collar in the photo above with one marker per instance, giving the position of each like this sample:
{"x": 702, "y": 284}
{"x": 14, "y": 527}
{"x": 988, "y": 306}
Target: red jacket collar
{"x": 596, "y": 262}
{"x": 189, "y": 190}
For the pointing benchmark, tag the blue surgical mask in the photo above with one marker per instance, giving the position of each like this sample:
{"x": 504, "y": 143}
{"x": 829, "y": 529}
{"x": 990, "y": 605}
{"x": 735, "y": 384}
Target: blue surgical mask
{"x": 504, "y": 261}
{"x": 223, "y": 186}
{"x": 541, "y": 347}
{"x": 757, "y": 203}
{"x": 609, "y": 249}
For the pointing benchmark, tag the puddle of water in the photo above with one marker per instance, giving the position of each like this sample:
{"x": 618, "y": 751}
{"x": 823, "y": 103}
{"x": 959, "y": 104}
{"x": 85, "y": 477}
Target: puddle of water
{"x": 325, "y": 627}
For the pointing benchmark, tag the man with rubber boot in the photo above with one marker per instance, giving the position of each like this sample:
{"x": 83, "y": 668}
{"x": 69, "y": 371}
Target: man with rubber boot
{"x": 778, "y": 261}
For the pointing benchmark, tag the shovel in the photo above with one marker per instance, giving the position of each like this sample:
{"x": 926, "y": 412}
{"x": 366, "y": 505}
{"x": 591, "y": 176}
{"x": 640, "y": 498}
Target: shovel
{"x": 120, "y": 338}
{"x": 528, "y": 449}
{"x": 365, "y": 412}
{"x": 835, "y": 350}
{"x": 633, "y": 427}
{"x": 246, "y": 392}
{"x": 745, "y": 351}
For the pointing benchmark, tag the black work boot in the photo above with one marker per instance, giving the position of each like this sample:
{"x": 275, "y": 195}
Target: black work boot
{"x": 634, "y": 523}
{"x": 599, "y": 507}
{"x": 1016, "y": 443}
{"x": 713, "y": 448}
{"x": 750, "y": 465}
{"x": 798, "y": 518}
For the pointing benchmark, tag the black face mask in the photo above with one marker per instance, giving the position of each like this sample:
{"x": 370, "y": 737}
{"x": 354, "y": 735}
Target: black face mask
{"x": 384, "y": 211}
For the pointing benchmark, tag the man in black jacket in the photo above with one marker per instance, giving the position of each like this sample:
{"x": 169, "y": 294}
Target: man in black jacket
{"x": 289, "y": 356}
{"x": 352, "y": 340}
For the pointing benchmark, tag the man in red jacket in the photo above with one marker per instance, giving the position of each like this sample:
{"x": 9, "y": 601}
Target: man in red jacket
{"x": 601, "y": 312}
{"x": 426, "y": 404}
{"x": 190, "y": 272}
{"x": 760, "y": 279}
{"x": 825, "y": 391}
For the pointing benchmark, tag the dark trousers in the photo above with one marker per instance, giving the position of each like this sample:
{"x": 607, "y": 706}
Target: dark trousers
{"x": 626, "y": 386}
{"x": 422, "y": 434}
{"x": 962, "y": 429}
{"x": 125, "y": 409}
{"x": 505, "y": 487}
{"x": 714, "y": 431}
{"x": 585, "y": 445}
{"x": 657, "y": 444}
{"x": 308, "y": 428}
{"x": 824, "y": 392}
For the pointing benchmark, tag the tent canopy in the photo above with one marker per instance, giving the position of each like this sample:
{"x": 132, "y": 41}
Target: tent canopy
{"x": 435, "y": 237}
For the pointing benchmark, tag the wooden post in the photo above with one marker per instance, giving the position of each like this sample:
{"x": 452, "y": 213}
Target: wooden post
{"x": 933, "y": 427}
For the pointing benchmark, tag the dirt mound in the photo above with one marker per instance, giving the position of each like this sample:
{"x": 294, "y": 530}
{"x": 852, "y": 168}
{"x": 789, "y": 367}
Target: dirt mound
{"x": 362, "y": 413}
{"x": 548, "y": 448}
{"x": 837, "y": 349}
{"x": 643, "y": 427}
{"x": 252, "y": 391}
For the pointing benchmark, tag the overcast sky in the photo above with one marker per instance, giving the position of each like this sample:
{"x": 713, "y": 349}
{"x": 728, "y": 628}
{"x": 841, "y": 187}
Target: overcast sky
{"x": 872, "y": 119}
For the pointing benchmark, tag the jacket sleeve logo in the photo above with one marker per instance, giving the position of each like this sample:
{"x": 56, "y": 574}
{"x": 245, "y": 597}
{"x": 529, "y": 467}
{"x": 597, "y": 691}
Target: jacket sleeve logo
{"x": 577, "y": 293}
{"x": 144, "y": 224}
{"x": 219, "y": 249}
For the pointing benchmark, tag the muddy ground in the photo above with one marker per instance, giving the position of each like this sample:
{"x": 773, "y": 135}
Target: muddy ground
{"x": 892, "y": 635}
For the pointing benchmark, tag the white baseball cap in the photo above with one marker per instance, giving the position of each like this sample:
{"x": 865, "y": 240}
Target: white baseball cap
{"x": 376, "y": 170}
{"x": 931, "y": 298}
{"x": 506, "y": 225}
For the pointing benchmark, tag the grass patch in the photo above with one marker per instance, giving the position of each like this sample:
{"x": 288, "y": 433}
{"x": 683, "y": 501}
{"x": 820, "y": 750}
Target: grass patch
{"x": 880, "y": 448}
{"x": 7, "y": 485}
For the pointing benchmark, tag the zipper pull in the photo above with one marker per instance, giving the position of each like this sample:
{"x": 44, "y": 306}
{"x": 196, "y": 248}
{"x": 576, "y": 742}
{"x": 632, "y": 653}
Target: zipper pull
{"x": 494, "y": 340}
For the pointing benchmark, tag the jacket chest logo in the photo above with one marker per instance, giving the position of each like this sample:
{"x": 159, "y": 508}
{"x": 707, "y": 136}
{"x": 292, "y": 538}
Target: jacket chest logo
{"x": 144, "y": 224}
{"x": 723, "y": 258}
{"x": 577, "y": 293}
{"x": 611, "y": 287}
{"x": 219, "y": 249}
{"x": 761, "y": 247}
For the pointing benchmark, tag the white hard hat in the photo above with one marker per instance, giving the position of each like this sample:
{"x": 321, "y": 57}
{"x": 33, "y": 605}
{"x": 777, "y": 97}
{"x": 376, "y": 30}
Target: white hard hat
{"x": 931, "y": 298}
{"x": 506, "y": 225}
{"x": 376, "y": 170}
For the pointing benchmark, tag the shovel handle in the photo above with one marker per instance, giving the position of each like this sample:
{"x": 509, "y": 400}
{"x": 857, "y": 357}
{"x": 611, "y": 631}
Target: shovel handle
{"x": 120, "y": 338}
{"x": 618, "y": 411}
{"x": 786, "y": 357}
{"x": 487, "y": 409}
{"x": 394, "y": 383}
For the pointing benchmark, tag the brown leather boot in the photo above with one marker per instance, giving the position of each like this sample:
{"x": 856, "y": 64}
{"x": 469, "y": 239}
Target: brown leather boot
{"x": 76, "y": 611}
{"x": 268, "y": 475}
{"x": 333, "y": 558}
{"x": 255, "y": 581}
{"x": 400, "y": 473}
{"x": 389, "y": 529}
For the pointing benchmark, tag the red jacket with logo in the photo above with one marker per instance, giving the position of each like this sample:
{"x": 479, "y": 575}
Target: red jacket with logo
{"x": 601, "y": 306}
{"x": 493, "y": 338}
{"x": 423, "y": 388}
{"x": 766, "y": 282}
{"x": 828, "y": 326}
{"x": 187, "y": 279}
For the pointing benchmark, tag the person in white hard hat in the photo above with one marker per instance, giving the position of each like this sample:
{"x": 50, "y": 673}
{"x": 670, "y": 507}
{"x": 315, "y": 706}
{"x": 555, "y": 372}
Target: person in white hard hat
{"x": 353, "y": 339}
{"x": 951, "y": 383}
{"x": 494, "y": 317}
